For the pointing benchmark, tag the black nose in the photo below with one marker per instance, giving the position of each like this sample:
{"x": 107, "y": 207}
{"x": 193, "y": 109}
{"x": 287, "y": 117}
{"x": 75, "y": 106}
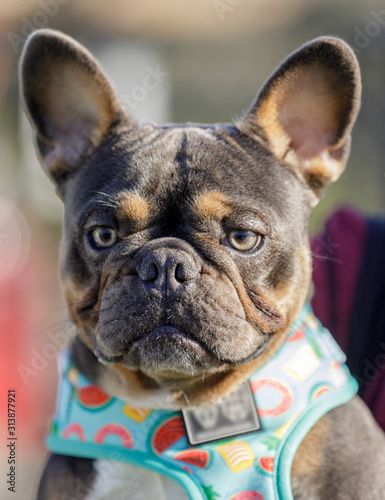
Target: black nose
{"x": 168, "y": 269}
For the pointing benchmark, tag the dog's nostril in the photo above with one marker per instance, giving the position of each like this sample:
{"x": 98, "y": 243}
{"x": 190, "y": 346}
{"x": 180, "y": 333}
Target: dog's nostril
{"x": 149, "y": 271}
{"x": 153, "y": 272}
{"x": 180, "y": 274}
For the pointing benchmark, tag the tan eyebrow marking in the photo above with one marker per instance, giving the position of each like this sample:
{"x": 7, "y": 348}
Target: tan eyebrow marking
{"x": 211, "y": 205}
{"x": 133, "y": 206}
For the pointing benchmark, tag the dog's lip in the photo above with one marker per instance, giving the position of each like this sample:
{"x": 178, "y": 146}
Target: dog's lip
{"x": 106, "y": 358}
{"x": 154, "y": 351}
{"x": 257, "y": 352}
{"x": 174, "y": 333}
{"x": 171, "y": 332}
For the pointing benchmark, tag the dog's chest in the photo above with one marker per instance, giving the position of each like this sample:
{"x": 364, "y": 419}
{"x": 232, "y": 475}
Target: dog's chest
{"x": 122, "y": 481}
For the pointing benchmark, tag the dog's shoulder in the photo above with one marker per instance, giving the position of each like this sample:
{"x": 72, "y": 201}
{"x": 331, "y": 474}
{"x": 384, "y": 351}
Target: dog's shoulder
{"x": 344, "y": 448}
{"x": 63, "y": 474}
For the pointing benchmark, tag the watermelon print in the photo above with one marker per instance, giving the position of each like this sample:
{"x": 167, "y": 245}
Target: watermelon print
{"x": 199, "y": 458}
{"x": 247, "y": 495}
{"x": 296, "y": 335}
{"x": 266, "y": 465}
{"x": 167, "y": 434}
{"x": 91, "y": 397}
{"x": 287, "y": 398}
{"x": 319, "y": 389}
{"x": 76, "y": 429}
{"x": 116, "y": 430}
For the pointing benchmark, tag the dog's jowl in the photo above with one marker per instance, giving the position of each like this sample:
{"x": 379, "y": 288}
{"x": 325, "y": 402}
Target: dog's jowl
{"x": 186, "y": 269}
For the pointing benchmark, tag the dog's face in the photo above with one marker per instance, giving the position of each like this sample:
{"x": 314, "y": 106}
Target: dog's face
{"x": 185, "y": 251}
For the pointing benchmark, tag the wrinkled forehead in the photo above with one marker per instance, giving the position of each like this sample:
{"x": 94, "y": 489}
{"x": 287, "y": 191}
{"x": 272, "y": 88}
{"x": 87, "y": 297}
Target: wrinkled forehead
{"x": 189, "y": 154}
{"x": 193, "y": 159}
{"x": 215, "y": 166}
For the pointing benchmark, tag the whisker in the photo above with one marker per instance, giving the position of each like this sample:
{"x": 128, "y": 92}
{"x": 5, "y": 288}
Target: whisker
{"x": 105, "y": 204}
{"x": 110, "y": 197}
{"x": 326, "y": 257}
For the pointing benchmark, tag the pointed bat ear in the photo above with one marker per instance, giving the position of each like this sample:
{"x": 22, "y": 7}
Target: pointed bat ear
{"x": 68, "y": 99}
{"x": 306, "y": 110}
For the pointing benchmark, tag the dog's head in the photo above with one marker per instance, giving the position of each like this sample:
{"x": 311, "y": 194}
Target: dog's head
{"x": 185, "y": 254}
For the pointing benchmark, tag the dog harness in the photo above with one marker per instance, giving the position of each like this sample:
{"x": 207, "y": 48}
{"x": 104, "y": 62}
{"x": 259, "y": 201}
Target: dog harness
{"x": 305, "y": 379}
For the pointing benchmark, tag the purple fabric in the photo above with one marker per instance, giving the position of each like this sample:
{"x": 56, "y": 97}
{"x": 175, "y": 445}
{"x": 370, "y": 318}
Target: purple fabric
{"x": 338, "y": 256}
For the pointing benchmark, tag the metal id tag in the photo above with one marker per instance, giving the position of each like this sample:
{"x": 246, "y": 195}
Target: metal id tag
{"x": 235, "y": 415}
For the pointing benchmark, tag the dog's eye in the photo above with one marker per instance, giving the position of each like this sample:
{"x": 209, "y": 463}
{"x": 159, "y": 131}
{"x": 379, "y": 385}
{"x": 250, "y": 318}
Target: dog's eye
{"x": 243, "y": 241}
{"x": 103, "y": 237}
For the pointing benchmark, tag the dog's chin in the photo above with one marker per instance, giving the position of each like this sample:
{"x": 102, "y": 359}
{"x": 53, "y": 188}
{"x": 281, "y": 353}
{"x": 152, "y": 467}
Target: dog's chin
{"x": 167, "y": 352}
{"x": 171, "y": 356}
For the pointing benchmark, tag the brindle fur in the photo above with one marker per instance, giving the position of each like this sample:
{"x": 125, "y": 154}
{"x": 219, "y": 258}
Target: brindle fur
{"x": 173, "y": 192}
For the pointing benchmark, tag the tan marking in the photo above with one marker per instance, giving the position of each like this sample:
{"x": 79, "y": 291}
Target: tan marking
{"x": 136, "y": 388}
{"x": 133, "y": 206}
{"x": 211, "y": 205}
{"x": 77, "y": 298}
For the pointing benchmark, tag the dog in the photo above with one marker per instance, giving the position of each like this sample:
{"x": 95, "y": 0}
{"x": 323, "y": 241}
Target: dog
{"x": 186, "y": 269}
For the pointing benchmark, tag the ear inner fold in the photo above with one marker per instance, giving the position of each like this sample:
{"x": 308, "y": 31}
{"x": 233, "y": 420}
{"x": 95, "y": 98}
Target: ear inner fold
{"x": 307, "y": 109}
{"x": 68, "y": 98}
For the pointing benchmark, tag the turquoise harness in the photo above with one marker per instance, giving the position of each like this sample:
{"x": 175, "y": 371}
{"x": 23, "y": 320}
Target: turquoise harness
{"x": 304, "y": 380}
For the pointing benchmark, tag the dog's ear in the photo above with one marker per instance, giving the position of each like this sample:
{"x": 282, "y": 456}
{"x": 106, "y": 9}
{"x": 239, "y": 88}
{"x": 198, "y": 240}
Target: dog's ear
{"x": 68, "y": 98}
{"x": 306, "y": 110}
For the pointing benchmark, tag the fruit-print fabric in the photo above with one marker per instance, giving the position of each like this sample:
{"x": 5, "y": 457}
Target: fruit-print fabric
{"x": 305, "y": 379}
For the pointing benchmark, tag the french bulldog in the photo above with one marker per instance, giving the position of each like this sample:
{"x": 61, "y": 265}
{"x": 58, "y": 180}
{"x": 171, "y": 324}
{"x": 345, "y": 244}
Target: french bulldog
{"x": 185, "y": 255}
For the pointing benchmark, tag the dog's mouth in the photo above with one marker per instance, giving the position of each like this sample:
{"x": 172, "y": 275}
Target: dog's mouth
{"x": 108, "y": 359}
{"x": 172, "y": 352}
{"x": 172, "y": 334}
{"x": 169, "y": 349}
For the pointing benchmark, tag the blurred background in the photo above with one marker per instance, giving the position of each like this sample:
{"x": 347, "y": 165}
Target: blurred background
{"x": 210, "y": 58}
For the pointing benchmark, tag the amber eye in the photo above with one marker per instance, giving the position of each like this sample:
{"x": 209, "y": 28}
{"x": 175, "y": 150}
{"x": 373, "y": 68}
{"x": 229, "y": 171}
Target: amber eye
{"x": 243, "y": 241}
{"x": 103, "y": 237}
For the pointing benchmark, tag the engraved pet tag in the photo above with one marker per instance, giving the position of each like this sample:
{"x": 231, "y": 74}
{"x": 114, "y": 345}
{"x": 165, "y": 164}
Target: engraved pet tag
{"x": 235, "y": 415}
